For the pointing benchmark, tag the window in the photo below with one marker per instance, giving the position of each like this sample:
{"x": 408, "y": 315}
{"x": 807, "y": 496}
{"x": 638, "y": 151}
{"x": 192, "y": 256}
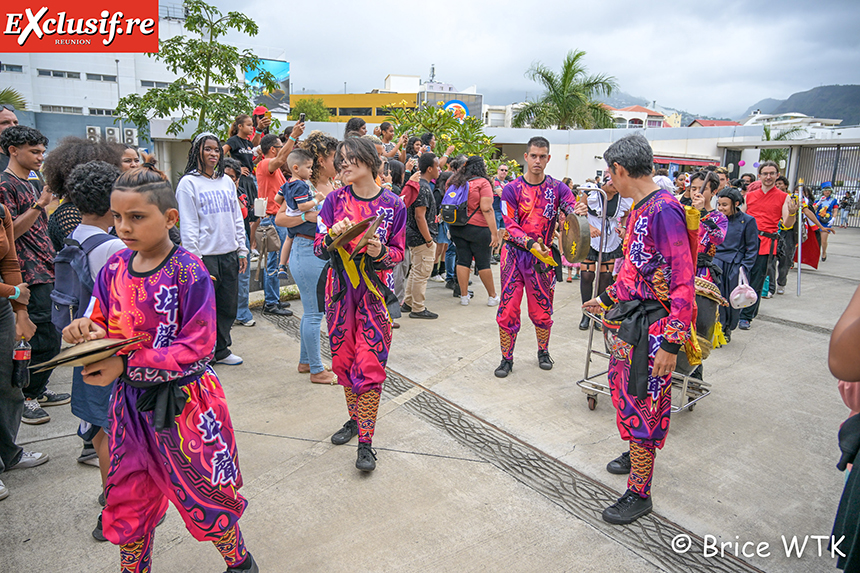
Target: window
{"x": 99, "y": 111}
{"x": 59, "y": 74}
{"x": 11, "y": 68}
{"x": 151, "y": 84}
{"x": 353, "y": 111}
{"x": 655, "y": 123}
{"x": 62, "y": 109}
{"x": 100, "y": 78}
{"x": 383, "y": 111}
{"x": 635, "y": 123}
{"x": 218, "y": 90}
{"x": 332, "y": 111}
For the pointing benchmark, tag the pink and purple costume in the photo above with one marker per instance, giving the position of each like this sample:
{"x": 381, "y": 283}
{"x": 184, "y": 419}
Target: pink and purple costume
{"x": 712, "y": 233}
{"x": 657, "y": 266}
{"x": 530, "y": 213}
{"x": 193, "y": 461}
{"x": 355, "y": 292}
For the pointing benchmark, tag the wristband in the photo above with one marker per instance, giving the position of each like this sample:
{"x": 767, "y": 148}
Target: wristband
{"x": 304, "y": 220}
{"x": 39, "y": 207}
{"x": 293, "y": 139}
{"x": 16, "y": 295}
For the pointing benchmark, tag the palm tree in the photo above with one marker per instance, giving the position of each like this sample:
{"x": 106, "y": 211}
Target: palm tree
{"x": 11, "y": 97}
{"x": 777, "y": 155}
{"x": 569, "y": 100}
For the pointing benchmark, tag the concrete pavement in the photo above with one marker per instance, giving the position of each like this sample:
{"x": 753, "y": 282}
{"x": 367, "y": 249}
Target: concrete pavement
{"x": 481, "y": 474}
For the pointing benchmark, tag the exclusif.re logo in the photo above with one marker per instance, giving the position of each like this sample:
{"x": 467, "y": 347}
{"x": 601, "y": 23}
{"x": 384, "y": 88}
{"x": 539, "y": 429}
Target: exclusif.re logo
{"x": 81, "y": 27}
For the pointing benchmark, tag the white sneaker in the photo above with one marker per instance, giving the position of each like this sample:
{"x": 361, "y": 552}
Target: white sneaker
{"x": 250, "y": 322}
{"x": 30, "y": 460}
{"x": 4, "y": 491}
{"x": 437, "y": 279}
{"x": 493, "y": 301}
{"x": 464, "y": 300}
{"x": 231, "y": 360}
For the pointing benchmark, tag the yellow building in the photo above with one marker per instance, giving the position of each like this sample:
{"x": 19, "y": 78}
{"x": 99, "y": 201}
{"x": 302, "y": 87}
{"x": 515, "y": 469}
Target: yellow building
{"x": 372, "y": 107}
{"x": 673, "y": 120}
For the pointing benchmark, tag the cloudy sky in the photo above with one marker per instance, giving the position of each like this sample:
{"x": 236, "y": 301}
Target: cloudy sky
{"x": 709, "y": 57}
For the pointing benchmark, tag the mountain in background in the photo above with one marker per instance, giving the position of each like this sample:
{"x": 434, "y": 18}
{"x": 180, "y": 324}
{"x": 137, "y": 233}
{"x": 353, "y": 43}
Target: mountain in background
{"x": 621, "y": 99}
{"x": 831, "y": 102}
{"x": 764, "y": 106}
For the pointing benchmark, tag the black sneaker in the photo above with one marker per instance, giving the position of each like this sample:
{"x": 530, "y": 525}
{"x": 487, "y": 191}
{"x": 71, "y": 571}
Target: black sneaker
{"x": 247, "y": 566}
{"x": 277, "y": 310}
{"x": 49, "y": 398}
{"x": 366, "y": 458}
{"x": 88, "y": 452}
{"x": 423, "y": 314}
{"x": 284, "y": 304}
{"x": 450, "y": 285}
{"x": 620, "y": 465}
{"x": 544, "y": 361}
{"x": 345, "y": 434}
{"x": 102, "y": 499}
{"x": 457, "y": 291}
{"x": 34, "y": 414}
{"x": 504, "y": 368}
{"x": 98, "y": 534}
{"x": 629, "y": 507}
{"x": 405, "y": 308}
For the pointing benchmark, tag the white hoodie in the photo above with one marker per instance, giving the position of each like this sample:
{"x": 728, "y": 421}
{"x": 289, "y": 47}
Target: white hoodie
{"x": 210, "y": 219}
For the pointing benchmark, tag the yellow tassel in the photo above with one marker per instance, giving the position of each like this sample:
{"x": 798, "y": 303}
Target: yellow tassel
{"x": 693, "y": 218}
{"x": 692, "y": 348}
{"x": 719, "y": 336}
{"x": 349, "y": 265}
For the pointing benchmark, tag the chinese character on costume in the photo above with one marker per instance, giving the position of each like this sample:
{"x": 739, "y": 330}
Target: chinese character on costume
{"x": 170, "y": 433}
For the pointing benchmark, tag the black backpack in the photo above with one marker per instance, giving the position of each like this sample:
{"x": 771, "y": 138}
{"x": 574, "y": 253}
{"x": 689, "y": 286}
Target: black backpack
{"x": 73, "y": 283}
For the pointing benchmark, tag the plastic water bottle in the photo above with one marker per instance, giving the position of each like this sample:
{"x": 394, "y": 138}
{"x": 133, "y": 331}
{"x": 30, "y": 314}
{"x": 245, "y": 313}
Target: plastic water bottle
{"x": 20, "y": 364}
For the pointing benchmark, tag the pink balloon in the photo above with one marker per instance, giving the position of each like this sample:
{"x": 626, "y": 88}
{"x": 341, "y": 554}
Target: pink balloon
{"x": 741, "y": 163}
{"x": 755, "y": 164}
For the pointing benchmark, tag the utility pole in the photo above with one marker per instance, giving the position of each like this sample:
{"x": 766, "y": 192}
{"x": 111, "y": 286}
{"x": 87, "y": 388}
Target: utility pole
{"x": 119, "y": 97}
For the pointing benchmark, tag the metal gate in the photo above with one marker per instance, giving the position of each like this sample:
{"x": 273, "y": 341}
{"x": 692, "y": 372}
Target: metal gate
{"x": 841, "y": 166}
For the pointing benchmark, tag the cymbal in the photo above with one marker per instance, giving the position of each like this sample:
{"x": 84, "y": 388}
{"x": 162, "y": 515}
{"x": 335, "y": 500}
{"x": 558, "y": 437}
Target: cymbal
{"x": 575, "y": 238}
{"x": 368, "y": 234}
{"x": 344, "y": 238}
{"x": 87, "y": 353}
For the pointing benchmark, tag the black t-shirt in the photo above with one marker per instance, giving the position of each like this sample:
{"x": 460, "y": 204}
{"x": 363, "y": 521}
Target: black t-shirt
{"x": 243, "y": 151}
{"x": 414, "y": 238}
{"x": 4, "y": 162}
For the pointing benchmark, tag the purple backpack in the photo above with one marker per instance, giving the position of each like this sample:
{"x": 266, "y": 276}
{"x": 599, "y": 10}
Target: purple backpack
{"x": 455, "y": 204}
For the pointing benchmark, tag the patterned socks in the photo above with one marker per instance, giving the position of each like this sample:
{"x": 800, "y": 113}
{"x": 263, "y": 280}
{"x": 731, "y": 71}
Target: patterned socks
{"x": 136, "y": 557}
{"x": 542, "y": 338}
{"x": 232, "y": 547}
{"x": 641, "y": 469}
{"x": 367, "y": 407}
{"x": 508, "y": 340}
{"x": 351, "y": 400}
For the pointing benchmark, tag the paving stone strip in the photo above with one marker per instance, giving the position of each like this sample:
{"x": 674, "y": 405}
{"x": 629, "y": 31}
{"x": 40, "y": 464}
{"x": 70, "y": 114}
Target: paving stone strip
{"x": 652, "y": 537}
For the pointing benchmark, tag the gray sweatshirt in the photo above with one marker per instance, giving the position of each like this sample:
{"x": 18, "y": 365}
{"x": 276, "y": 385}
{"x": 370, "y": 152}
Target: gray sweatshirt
{"x": 210, "y": 219}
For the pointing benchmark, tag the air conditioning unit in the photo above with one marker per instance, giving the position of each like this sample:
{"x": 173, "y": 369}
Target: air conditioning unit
{"x": 129, "y": 136}
{"x": 94, "y": 133}
{"x": 112, "y": 134}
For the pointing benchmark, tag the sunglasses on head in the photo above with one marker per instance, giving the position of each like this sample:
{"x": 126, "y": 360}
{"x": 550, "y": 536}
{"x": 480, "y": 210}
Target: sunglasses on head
{"x": 9, "y": 107}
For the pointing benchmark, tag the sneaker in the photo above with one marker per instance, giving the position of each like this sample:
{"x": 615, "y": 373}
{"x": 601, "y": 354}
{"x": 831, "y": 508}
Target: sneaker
{"x": 449, "y": 285}
{"x": 30, "y": 460}
{"x": 254, "y": 258}
{"x": 33, "y": 413}
{"x": 282, "y": 272}
{"x": 231, "y": 360}
{"x": 284, "y": 304}
{"x": 458, "y": 294}
{"x": 493, "y": 301}
{"x": 504, "y": 368}
{"x": 88, "y": 452}
{"x": 102, "y": 499}
{"x": 277, "y": 310}
{"x": 49, "y": 398}
{"x": 620, "y": 465}
{"x": 464, "y": 300}
{"x": 404, "y": 308}
{"x": 4, "y": 491}
{"x": 98, "y": 534}
{"x": 437, "y": 279}
{"x": 423, "y": 314}
{"x": 744, "y": 324}
{"x": 493, "y": 261}
{"x": 366, "y": 458}
{"x": 780, "y": 290}
{"x": 247, "y": 566}
{"x": 248, "y": 323}
{"x": 767, "y": 295}
{"x": 345, "y": 434}
{"x": 629, "y": 507}
{"x": 544, "y": 361}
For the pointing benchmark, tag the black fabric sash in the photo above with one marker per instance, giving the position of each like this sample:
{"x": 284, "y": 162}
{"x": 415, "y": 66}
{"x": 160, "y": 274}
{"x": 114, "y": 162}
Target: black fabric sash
{"x": 704, "y": 260}
{"x": 635, "y": 317}
{"x": 165, "y": 400}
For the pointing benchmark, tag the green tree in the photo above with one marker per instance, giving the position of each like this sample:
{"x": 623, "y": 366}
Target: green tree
{"x": 313, "y": 108}
{"x": 201, "y": 61}
{"x": 466, "y": 134}
{"x": 778, "y": 155}
{"x": 570, "y": 97}
{"x": 12, "y": 97}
